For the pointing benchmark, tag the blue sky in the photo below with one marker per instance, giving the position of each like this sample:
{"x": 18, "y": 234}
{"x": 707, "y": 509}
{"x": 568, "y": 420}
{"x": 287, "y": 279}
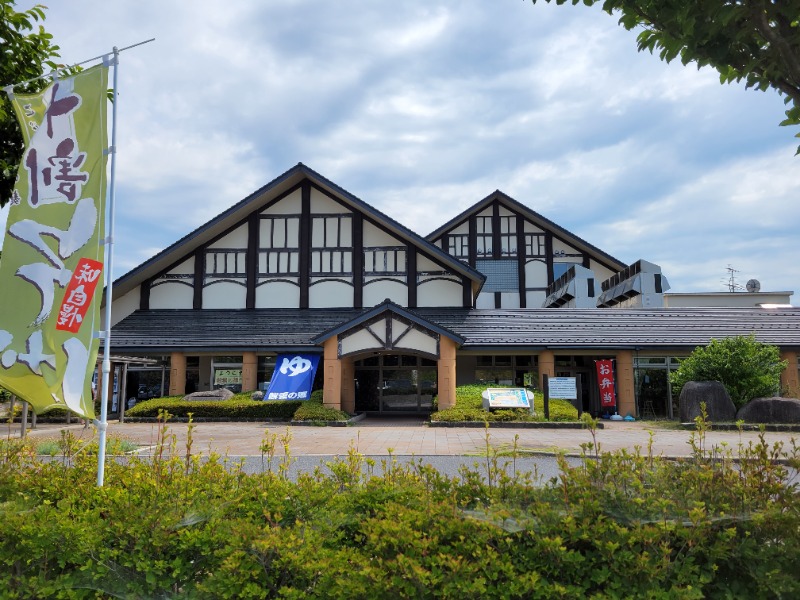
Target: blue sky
{"x": 421, "y": 108}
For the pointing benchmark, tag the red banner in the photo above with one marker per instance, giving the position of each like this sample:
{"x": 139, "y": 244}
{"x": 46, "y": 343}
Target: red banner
{"x": 605, "y": 381}
{"x": 79, "y": 295}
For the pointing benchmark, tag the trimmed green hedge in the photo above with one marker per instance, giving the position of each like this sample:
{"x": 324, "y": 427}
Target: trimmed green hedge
{"x": 469, "y": 407}
{"x": 238, "y": 407}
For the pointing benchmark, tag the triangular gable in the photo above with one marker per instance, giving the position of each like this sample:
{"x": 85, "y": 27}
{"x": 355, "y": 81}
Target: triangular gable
{"x": 388, "y": 327}
{"x": 513, "y": 205}
{"x": 235, "y": 215}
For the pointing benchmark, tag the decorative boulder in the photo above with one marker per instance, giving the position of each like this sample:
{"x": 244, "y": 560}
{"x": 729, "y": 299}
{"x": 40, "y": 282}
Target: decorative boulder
{"x": 719, "y": 406}
{"x": 770, "y": 410}
{"x": 210, "y": 395}
{"x": 259, "y": 395}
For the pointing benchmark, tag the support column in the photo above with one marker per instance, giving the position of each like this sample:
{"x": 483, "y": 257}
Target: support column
{"x": 249, "y": 371}
{"x": 790, "y": 380}
{"x": 547, "y": 366}
{"x": 177, "y": 374}
{"x": 348, "y": 385}
{"x": 626, "y": 398}
{"x": 446, "y": 373}
{"x": 332, "y": 386}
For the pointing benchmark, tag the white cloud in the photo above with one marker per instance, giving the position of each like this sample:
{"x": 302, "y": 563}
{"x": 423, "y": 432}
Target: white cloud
{"x": 422, "y": 108}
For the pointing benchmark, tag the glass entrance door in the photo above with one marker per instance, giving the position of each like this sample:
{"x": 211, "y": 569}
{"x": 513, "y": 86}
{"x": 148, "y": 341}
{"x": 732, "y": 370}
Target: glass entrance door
{"x": 395, "y": 384}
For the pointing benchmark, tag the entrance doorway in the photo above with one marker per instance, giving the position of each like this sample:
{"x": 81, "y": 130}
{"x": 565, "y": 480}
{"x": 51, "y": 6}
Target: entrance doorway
{"x": 395, "y": 384}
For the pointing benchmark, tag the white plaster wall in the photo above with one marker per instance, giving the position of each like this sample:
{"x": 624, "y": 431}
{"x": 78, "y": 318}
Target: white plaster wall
{"x": 536, "y": 274}
{"x": 414, "y": 339}
{"x": 184, "y": 268}
{"x": 426, "y": 264}
{"x": 535, "y": 299}
{"x": 323, "y": 204}
{"x": 377, "y": 237}
{"x": 330, "y": 294}
{"x": 504, "y": 212}
{"x": 359, "y": 342}
{"x": 439, "y": 292}
{"x": 291, "y": 205}
{"x": 485, "y": 300}
{"x": 277, "y": 294}
{"x": 509, "y": 299}
{"x": 172, "y": 295}
{"x": 235, "y": 239}
{"x": 601, "y": 273}
{"x": 463, "y": 228}
{"x": 122, "y": 306}
{"x": 560, "y": 245}
{"x": 224, "y": 294}
{"x": 377, "y": 292}
{"x": 532, "y": 228}
{"x": 486, "y": 212}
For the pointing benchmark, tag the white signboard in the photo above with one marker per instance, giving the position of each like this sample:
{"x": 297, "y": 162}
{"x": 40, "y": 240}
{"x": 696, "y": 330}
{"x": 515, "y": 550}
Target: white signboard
{"x": 564, "y": 388}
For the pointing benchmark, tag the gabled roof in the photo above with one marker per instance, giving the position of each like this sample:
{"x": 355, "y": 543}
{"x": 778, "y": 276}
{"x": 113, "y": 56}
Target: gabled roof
{"x": 388, "y": 306}
{"x": 543, "y": 222}
{"x": 283, "y": 183}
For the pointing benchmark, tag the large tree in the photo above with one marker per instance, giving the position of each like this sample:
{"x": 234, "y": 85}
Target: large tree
{"x": 757, "y": 41}
{"x": 27, "y": 52}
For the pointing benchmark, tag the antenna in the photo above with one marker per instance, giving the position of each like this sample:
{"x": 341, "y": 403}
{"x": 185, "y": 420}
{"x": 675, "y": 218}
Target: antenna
{"x": 731, "y": 282}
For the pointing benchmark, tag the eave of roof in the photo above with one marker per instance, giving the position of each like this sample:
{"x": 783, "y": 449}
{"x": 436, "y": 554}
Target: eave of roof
{"x": 268, "y": 330}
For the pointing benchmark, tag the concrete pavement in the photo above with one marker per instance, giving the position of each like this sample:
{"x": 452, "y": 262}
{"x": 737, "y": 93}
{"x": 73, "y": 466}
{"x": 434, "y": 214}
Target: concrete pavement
{"x": 405, "y": 437}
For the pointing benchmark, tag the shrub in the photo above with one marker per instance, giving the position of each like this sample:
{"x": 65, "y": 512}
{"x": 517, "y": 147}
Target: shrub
{"x": 237, "y": 407}
{"x": 469, "y": 407}
{"x": 316, "y": 411}
{"x": 747, "y": 368}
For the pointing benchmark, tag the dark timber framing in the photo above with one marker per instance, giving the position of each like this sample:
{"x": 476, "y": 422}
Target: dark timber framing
{"x": 305, "y": 242}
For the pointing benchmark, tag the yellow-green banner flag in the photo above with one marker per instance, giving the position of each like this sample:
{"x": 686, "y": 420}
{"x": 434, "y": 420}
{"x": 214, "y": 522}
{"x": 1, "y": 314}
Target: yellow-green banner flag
{"x": 52, "y": 261}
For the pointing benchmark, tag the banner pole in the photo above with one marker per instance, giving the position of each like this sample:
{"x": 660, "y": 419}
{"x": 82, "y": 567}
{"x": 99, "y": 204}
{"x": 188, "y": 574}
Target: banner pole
{"x": 102, "y": 425}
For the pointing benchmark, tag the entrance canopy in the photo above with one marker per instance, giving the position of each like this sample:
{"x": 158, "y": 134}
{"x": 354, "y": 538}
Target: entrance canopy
{"x": 389, "y": 327}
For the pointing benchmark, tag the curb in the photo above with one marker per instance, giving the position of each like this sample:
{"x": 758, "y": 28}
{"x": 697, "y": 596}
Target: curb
{"x": 512, "y": 424}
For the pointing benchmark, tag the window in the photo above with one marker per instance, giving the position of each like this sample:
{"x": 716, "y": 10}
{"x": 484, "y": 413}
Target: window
{"x": 280, "y": 245}
{"x": 331, "y": 245}
{"x": 458, "y": 245}
{"x": 226, "y": 263}
{"x": 508, "y": 236}
{"x": 484, "y": 237}
{"x": 534, "y": 244}
{"x": 385, "y": 260}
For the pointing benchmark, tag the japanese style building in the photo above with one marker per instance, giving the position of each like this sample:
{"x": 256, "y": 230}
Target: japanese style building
{"x": 499, "y": 294}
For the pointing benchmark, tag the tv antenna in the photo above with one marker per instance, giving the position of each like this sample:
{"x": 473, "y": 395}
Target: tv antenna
{"x": 731, "y": 283}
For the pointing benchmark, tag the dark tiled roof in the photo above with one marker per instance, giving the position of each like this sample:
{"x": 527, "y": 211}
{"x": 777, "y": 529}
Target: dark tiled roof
{"x": 289, "y": 329}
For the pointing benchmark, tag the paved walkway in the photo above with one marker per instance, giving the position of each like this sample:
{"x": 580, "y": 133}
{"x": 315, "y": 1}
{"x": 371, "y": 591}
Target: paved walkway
{"x": 405, "y": 437}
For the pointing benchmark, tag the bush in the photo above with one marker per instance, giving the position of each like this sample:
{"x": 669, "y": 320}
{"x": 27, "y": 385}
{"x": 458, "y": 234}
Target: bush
{"x": 316, "y": 411}
{"x": 616, "y": 525}
{"x": 238, "y": 407}
{"x": 469, "y": 407}
{"x": 747, "y": 368}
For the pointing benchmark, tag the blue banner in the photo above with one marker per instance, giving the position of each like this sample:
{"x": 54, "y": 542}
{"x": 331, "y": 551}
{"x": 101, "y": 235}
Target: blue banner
{"x": 293, "y": 377}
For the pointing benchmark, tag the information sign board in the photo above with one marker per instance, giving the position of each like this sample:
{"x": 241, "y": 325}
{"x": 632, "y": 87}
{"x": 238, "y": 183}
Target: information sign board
{"x": 564, "y": 388}
{"x": 507, "y": 398}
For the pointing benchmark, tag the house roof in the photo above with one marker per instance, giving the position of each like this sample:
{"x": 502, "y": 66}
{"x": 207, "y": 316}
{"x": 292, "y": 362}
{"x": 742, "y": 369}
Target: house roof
{"x": 283, "y": 183}
{"x": 272, "y": 330}
{"x": 543, "y": 222}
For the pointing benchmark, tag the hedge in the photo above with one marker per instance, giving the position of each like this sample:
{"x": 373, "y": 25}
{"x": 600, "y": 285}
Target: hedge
{"x": 238, "y": 407}
{"x": 469, "y": 407}
{"x": 624, "y": 525}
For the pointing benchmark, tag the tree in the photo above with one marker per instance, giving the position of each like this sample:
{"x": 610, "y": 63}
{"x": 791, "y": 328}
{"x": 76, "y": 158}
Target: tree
{"x": 757, "y": 41}
{"x": 747, "y": 368}
{"x": 27, "y": 52}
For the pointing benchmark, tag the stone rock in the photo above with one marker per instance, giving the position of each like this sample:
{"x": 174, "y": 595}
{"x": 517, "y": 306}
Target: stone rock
{"x": 719, "y": 406}
{"x": 259, "y": 395}
{"x": 770, "y": 410}
{"x": 210, "y": 395}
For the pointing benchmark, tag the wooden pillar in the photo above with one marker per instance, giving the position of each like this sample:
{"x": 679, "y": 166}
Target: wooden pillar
{"x": 446, "y": 373}
{"x": 123, "y": 392}
{"x": 547, "y": 366}
{"x": 332, "y": 383}
{"x": 348, "y": 385}
{"x": 626, "y": 398}
{"x": 177, "y": 374}
{"x": 790, "y": 379}
{"x": 249, "y": 371}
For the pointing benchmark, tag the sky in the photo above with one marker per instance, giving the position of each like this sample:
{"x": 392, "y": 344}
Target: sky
{"x": 422, "y": 108}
